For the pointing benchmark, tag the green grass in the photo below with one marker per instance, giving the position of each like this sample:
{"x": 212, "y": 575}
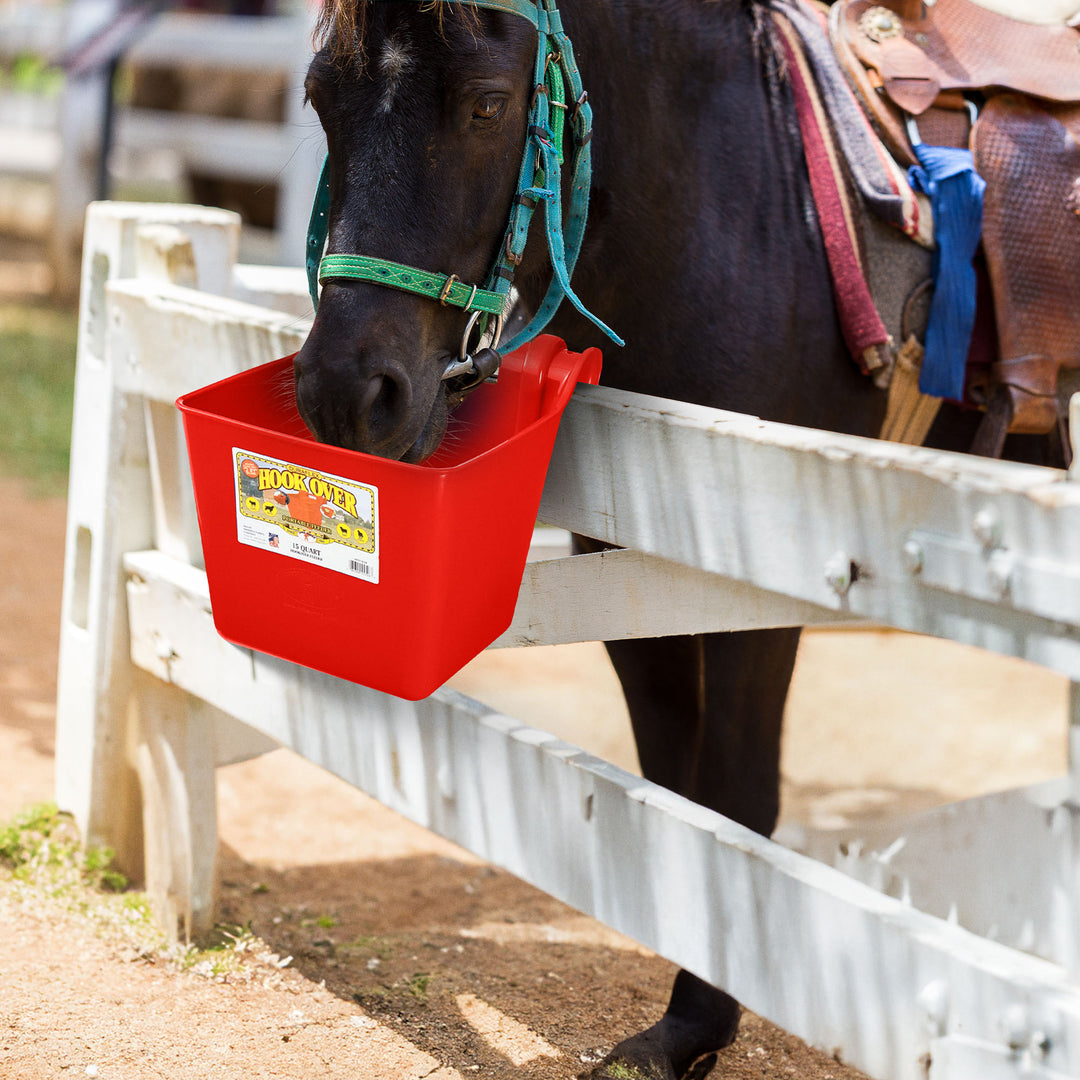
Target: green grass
{"x": 42, "y": 845}
{"x": 45, "y": 866}
{"x": 37, "y": 378}
{"x": 30, "y": 74}
{"x": 418, "y": 985}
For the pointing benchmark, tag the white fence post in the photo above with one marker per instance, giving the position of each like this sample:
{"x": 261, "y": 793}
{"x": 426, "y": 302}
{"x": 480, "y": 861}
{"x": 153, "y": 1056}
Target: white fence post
{"x": 117, "y": 749}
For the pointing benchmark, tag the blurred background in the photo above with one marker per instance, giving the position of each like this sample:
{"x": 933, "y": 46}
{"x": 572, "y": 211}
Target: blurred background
{"x": 148, "y": 101}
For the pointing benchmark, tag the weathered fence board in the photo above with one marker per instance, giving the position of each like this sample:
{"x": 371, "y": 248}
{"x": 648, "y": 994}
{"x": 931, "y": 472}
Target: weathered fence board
{"x": 731, "y": 496}
{"x": 838, "y": 962}
{"x": 791, "y": 509}
{"x": 612, "y": 595}
{"x": 1033, "y": 832}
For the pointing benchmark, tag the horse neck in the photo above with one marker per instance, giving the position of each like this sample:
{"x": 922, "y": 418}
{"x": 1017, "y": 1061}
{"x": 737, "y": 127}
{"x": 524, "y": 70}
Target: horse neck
{"x": 701, "y": 224}
{"x": 688, "y": 118}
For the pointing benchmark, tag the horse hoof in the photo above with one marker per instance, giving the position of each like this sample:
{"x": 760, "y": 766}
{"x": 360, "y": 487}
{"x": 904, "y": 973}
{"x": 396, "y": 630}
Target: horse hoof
{"x": 619, "y": 1068}
{"x": 701, "y": 1068}
{"x": 649, "y": 1056}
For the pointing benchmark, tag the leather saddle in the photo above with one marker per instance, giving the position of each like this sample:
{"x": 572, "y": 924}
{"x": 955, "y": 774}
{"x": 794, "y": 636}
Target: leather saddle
{"x": 958, "y": 74}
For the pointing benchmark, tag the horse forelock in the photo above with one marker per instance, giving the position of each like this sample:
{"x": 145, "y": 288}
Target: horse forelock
{"x": 342, "y": 24}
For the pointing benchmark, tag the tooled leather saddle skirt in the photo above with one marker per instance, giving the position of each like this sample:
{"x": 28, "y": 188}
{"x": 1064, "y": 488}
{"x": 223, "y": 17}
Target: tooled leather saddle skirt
{"x": 909, "y": 60}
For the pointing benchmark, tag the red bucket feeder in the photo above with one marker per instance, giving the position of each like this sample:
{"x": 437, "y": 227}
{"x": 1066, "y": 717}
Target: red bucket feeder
{"x": 386, "y": 574}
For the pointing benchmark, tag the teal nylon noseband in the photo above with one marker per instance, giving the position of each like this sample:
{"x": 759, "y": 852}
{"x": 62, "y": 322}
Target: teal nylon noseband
{"x": 538, "y": 183}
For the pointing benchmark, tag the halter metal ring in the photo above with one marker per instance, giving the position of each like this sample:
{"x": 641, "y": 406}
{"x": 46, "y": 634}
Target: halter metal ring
{"x": 463, "y": 365}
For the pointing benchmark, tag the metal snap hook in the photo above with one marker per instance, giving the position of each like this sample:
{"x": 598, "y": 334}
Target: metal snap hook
{"x": 463, "y": 365}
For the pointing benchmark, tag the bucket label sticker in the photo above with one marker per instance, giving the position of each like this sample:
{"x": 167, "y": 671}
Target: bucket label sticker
{"x": 304, "y": 514}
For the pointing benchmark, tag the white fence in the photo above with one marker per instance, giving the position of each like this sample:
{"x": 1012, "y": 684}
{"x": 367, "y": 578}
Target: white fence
{"x": 909, "y": 957}
{"x": 57, "y": 139}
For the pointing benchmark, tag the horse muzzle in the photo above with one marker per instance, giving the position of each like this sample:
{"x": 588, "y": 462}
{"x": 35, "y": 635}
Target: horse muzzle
{"x": 376, "y": 409}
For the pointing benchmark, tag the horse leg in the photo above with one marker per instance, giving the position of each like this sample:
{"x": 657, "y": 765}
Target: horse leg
{"x": 706, "y": 712}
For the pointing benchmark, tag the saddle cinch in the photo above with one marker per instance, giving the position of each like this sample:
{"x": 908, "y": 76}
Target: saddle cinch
{"x": 942, "y": 64}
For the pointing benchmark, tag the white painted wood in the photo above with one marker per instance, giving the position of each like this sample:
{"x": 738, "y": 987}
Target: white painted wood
{"x": 29, "y": 154}
{"x": 176, "y": 523}
{"x": 170, "y": 590}
{"x": 280, "y": 288}
{"x": 168, "y": 609}
{"x": 243, "y": 44}
{"x": 298, "y": 175}
{"x": 1002, "y": 865}
{"x": 174, "y": 340}
{"x": 172, "y": 752}
{"x": 110, "y": 511}
{"x": 30, "y": 28}
{"x": 782, "y": 507}
{"x": 62, "y": 143}
{"x": 236, "y": 149}
{"x": 959, "y": 1057}
{"x": 827, "y": 957}
{"x": 81, "y": 110}
{"x": 969, "y": 567}
{"x": 164, "y": 253}
{"x": 620, "y": 594}
{"x": 831, "y": 958}
{"x": 288, "y": 154}
{"x": 736, "y": 493}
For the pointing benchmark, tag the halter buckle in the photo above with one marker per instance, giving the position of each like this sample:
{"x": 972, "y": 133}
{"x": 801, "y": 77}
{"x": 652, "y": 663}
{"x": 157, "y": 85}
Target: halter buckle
{"x": 578, "y": 105}
{"x": 444, "y": 293}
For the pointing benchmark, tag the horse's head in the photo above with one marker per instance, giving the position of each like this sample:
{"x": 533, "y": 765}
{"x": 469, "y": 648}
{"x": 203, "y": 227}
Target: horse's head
{"x": 425, "y": 108}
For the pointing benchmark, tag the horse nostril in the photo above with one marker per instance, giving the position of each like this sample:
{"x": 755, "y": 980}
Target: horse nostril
{"x": 382, "y": 409}
{"x": 370, "y": 393}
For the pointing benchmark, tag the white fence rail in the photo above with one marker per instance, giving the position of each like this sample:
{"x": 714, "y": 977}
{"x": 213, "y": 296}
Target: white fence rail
{"x": 740, "y": 524}
{"x": 58, "y": 138}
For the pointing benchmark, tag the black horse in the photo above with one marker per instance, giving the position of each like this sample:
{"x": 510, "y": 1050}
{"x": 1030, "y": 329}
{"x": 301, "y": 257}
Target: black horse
{"x": 702, "y": 250}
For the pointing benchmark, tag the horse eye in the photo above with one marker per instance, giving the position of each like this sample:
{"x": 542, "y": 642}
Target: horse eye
{"x": 488, "y": 107}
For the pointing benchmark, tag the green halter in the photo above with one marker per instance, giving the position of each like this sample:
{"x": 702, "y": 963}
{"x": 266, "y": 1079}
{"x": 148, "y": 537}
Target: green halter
{"x": 538, "y": 182}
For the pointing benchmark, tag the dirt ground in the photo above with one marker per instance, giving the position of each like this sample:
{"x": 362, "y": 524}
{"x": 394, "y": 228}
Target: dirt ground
{"x": 409, "y": 958}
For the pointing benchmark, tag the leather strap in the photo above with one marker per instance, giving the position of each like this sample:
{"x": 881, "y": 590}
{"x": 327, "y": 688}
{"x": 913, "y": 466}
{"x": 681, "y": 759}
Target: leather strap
{"x": 1033, "y": 374}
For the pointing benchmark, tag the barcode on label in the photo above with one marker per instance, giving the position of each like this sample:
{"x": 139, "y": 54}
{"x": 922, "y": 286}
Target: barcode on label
{"x": 358, "y": 566}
